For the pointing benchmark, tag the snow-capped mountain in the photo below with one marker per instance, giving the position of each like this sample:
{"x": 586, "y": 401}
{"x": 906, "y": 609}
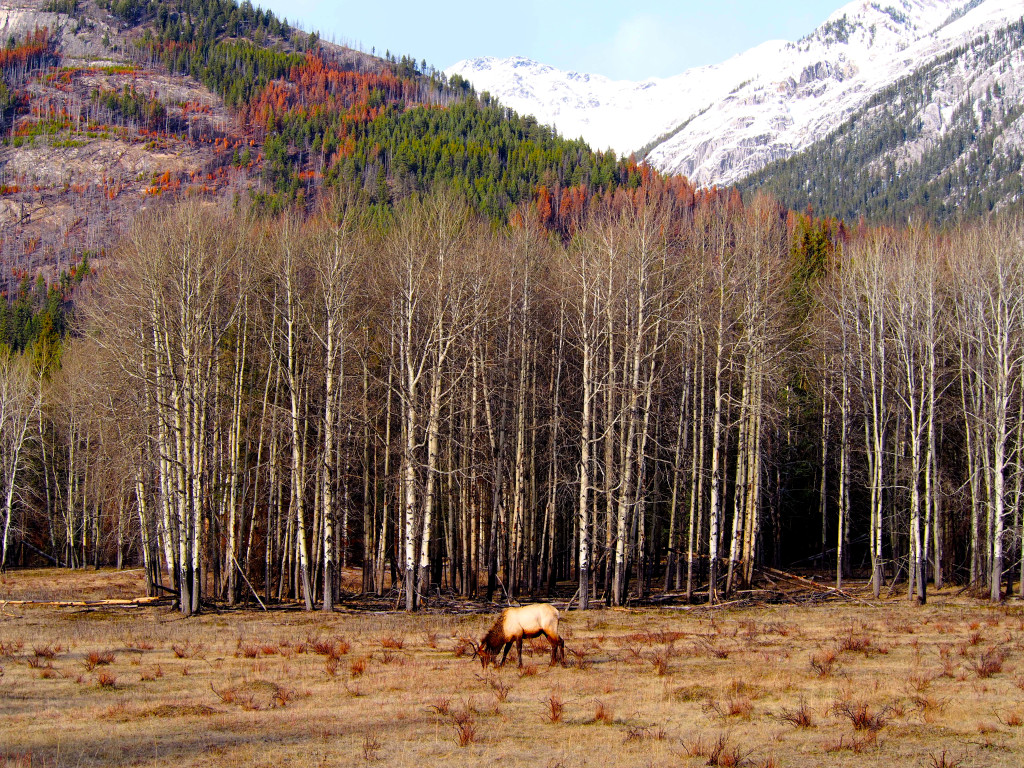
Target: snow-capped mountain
{"x": 717, "y": 124}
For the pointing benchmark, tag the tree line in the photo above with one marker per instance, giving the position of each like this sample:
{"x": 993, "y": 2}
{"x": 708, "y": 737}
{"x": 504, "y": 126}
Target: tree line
{"x": 682, "y": 390}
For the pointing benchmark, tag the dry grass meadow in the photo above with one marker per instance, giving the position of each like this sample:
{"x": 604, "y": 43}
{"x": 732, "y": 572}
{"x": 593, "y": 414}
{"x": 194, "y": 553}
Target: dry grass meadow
{"x": 839, "y": 684}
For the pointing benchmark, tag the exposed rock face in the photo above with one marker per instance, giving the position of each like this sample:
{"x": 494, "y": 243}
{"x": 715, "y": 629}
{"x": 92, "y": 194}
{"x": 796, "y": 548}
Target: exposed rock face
{"x": 72, "y": 174}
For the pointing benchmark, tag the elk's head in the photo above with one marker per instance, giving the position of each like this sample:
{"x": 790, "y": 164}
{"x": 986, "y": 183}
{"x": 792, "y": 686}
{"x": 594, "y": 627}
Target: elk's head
{"x": 483, "y": 652}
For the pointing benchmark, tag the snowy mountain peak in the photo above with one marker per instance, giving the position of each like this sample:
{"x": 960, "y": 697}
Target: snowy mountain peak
{"x": 718, "y": 123}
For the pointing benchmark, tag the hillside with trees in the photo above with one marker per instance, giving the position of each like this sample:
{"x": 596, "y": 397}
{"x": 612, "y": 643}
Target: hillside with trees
{"x": 109, "y": 106}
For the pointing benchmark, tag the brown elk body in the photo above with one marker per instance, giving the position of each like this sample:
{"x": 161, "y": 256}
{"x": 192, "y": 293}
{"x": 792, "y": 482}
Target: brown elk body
{"x": 516, "y": 623}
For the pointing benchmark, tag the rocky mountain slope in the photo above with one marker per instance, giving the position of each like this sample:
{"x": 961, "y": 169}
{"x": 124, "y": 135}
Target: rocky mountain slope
{"x": 718, "y": 124}
{"x": 946, "y": 140}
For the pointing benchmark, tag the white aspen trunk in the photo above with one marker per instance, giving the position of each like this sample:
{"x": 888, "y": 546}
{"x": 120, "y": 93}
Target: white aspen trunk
{"x": 841, "y": 528}
{"x": 1019, "y": 488}
{"x": 473, "y": 553}
{"x": 409, "y": 475}
{"x": 382, "y": 536}
{"x": 327, "y": 468}
{"x": 753, "y": 527}
{"x": 715, "y": 512}
{"x": 611, "y": 428}
{"x": 583, "y": 506}
{"x": 639, "y": 505}
{"x": 626, "y": 478}
{"x": 550, "y": 570}
{"x": 519, "y": 483}
{"x": 429, "y": 497}
{"x": 369, "y": 487}
{"x": 673, "y": 544}
{"x": 743, "y": 460}
{"x": 298, "y": 468}
{"x": 696, "y": 475}
{"x": 144, "y": 522}
{"x": 826, "y": 423}
{"x": 18, "y": 408}
{"x": 234, "y": 450}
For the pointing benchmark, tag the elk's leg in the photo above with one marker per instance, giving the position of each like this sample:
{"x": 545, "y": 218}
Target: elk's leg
{"x": 508, "y": 647}
{"x": 556, "y": 646}
{"x": 519, "y": 650}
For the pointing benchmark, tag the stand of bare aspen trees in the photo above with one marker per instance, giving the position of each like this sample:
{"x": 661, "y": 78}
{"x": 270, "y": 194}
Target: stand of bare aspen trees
{"x": 250, "y": 405}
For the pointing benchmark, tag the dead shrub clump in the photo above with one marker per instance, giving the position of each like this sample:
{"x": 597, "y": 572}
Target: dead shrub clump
{"x": 331, "y": 666}
{"x": 256, "y": 695}
{"x": 855, "y": 643}
{"x": 711, "y": 648}
{"x": 944, "y": 760}
{"x": 734, "y": 706}
{"x": 48, "y": 652}
{"x": 860, "y": 715}
{"x": 442, "y": 705}
{"x": 528, "y": 670}
{"x": 692, "y": 693}
{"x": 920, "y": 681}
{"x": 855, "y": 744}
{"x": 463, "y": 645}
{"x": 371, "y": 746}
{"x": 357, "y": 667}
{"x": 1012, "y": 719}
{"x": 660, "y": 660}
{"x": 635, "y": 733}
{"x": 248, "y": 651}
{"x": 332, "y": 647}
{"x": 40, "y": 662}
{"x": 555, "y": 707}
{"x": 578, "y": 659}
{"x": 799, "y": 716}
{"x": 603, "y": 713}
{"x": 719, "y": 752}
{"x": 188, "y": 650}
{"x": 8, "y": 648}
{"x": 98, "y": 658}
{"x": 136, "y": 644}
{"x": 989, "y": 663}
{"x": 465, "y": 726}
{"x": 500, "y": 687}
{"x": 823, "y": 663}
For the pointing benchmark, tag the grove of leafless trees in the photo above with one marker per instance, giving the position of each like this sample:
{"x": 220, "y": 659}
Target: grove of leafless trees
{"x": 667, "y": 399}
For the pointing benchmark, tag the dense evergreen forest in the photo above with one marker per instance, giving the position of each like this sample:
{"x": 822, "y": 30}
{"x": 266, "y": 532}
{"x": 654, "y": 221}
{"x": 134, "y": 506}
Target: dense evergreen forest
{"x": 447, "y": 346}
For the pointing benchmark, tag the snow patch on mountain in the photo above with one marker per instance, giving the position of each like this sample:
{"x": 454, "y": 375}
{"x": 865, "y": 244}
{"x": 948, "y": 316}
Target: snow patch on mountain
{"x": 719, "y": 123}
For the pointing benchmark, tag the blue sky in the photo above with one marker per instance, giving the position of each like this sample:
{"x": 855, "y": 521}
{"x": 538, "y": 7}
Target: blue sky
{"x": 629, "y": 40}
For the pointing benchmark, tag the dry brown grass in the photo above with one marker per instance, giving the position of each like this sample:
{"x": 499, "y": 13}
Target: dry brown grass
{"x": 774, "y": 687}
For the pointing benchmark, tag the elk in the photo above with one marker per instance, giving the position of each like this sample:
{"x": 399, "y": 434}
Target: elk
{"x": 516, "y": 623}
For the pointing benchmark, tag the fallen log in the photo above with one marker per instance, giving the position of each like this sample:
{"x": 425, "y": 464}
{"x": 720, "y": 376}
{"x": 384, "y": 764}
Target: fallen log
{"x": 821, "y": 588}
{"x": 806, "y": 582}
{"x": 83, "y": 603}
